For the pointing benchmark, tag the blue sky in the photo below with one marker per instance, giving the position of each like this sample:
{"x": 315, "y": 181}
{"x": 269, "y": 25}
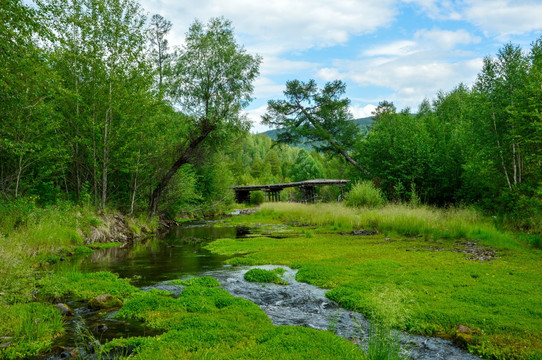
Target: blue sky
{"x": 397, "y": 50}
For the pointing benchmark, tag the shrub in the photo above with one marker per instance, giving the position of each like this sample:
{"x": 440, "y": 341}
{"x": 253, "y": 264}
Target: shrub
{"x": 365, "y": 194}
{"x": 257, "y": 197}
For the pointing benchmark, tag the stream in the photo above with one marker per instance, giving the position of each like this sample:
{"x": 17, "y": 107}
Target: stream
{"x": 180, "y": 253}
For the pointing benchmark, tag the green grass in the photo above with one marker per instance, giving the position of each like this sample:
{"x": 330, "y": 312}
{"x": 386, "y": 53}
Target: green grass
{"x": 31, "y": 235}
{"x": 383, "y": 344}
{"x": 264, "y": 276}
{"x": 420, "y": 284}
{"x": 83, "y": 286}
{"x": 206, "y": 281}
{"x": 425, "y": 221}
{"x": 31, "y": 328}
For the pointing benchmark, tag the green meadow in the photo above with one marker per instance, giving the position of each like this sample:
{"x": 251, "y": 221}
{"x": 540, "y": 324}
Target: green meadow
{"x": 427, "y": 271}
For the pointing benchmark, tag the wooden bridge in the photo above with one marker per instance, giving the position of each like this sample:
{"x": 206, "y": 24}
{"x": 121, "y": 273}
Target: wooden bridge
{"x": 272, "y": 191}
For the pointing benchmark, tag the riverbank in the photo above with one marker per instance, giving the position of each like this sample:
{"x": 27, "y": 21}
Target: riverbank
{"x": 446, "y": 273}
{"x": 32, "y": 240}
{"x": 450, "y": 274}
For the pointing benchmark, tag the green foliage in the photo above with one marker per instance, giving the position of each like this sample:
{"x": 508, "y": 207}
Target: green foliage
{"x": 257, "y": 197}
{"x": 306, "y": 167}
{"x": 365, "y": 194}
{"x": 478, "y": 145}
{"x": 263, "y": 276}
{"x": 31, "y": 326}
{"x": 83, "y": 286}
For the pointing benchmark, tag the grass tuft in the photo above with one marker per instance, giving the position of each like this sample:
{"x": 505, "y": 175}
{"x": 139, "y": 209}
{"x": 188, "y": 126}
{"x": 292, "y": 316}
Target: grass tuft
{"x": 365, "y": 194}
{"x": 264, "y": 276}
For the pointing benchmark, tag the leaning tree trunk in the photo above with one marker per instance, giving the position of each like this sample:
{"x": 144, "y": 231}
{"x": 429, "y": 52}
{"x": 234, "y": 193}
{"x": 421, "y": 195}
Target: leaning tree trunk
{"x": 186, "y": 155}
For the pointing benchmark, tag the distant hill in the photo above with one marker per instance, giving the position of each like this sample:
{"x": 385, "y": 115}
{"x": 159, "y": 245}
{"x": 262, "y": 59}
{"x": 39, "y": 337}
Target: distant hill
{"x": 363, "y": 123}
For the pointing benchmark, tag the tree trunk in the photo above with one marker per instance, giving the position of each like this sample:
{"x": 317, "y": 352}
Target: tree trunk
{"x": 19, "y": 172}
{"x": 134, "y": 190}
{"x": 185, "y": 156}
{"x": 500, "y": 148}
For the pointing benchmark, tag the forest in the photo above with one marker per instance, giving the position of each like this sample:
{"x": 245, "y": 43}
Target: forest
{"x": 99, "y": 115}
{"x": 96, "y": 107}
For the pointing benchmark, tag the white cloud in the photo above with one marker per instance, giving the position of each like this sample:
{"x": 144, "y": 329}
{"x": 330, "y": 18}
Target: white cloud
{"x": 413, "y": 69}
{"x": 362, "y": 111}
{"x": 255, "y": 117}
{"x": 446, "y": 39}
{"x": 410, "y": 78}
{"x": 397, "y": 48}
{"x": 329, "y": 74}
{"x": 437, "y": 9}
{"x": 278, "y": 66}
{"x": 272, "y": 27}
{"x": 265, "y": 87}
{"x": 505, "y": 17}
{"x": 493, "y": 17}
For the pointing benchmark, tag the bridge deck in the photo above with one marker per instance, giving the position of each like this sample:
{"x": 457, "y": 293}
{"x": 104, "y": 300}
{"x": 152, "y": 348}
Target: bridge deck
{"x": 278, "y": 187}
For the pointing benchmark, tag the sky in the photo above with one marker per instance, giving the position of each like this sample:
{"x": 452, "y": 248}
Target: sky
{"x": 396, "y": 50}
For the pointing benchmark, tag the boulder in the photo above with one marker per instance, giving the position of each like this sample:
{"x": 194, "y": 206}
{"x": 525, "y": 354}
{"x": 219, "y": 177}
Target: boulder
{"x": 105, "y": 301}
{"x": 463, "y": 335}
{"x": 64, "y": 309}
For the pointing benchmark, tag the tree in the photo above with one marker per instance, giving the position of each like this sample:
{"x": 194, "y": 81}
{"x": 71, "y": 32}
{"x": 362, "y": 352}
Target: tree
{"x": 319, "y": 116}
{"x": 499, "y": 86}
{"x": 100, "y": 53}
{"x": 306, "y": 168}
{"x": 213, "y": 81}
{"x": 27, "y": 87}
{"x": 158, "y": 31}
{"x": 384, "y": 108}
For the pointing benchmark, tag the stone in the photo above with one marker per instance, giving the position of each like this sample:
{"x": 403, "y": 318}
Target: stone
{"x": 463, "y": 336}
{"x": 105, "y": 301}
{"x": 64, "y": 309}
{"x": 100, "y": 328}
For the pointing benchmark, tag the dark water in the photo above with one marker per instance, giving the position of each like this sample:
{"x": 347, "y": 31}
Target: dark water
{"x": 170, "y": 256}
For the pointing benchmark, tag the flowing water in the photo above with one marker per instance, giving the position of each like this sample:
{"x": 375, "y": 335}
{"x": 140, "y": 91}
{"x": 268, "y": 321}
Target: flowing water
{"x": 180, "y": 253}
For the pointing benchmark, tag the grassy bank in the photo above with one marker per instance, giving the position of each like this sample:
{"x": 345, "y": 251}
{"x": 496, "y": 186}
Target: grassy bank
{"x": 436, "y": 284}
{"x": 31, "y": 238}
{"x": 428, "y": 222}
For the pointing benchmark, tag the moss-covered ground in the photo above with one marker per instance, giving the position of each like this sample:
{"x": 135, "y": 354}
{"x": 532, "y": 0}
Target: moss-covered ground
{"x": 206, "y": 322}
{"x": 410, "y": 276}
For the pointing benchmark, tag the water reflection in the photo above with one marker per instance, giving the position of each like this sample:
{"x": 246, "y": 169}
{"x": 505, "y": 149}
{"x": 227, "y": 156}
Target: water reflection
{"x": 176, "y": 253}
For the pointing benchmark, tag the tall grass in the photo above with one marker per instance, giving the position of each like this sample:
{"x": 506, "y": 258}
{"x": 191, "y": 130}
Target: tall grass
{"x": 28, "y": 233}
{"x": 384, "y": 344}
{"x": 407, "y": 220}
{"x": 365, "y": 194}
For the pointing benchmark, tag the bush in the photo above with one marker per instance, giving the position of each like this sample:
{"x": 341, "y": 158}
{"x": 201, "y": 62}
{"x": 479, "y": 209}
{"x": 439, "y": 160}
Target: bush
{"x": 365, "y": 194}
{"x": 257, "y": 197}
